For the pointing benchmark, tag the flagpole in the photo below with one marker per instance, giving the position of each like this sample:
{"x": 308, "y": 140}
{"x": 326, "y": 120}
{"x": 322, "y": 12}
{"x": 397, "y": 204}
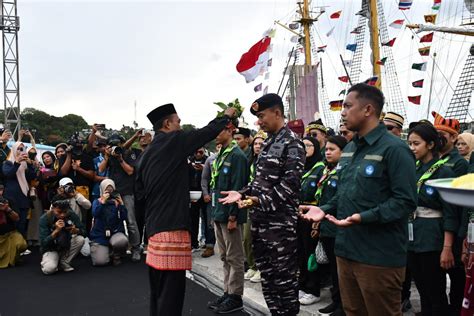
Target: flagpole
{"x": 374, "y": 40}
{"x": 345, "y": 69}
{"x": 286, "y": 68}
{"x": 431, "y": 87}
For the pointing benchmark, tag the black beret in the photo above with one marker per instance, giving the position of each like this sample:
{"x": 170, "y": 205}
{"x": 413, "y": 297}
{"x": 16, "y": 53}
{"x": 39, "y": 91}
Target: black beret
{"x": 161, "y": 112}
{"x": 265, "y": 102}
{"x": 243, "y": 131}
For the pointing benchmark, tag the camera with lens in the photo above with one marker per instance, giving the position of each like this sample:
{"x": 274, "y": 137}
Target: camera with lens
{"x": 114, "y": 195}
{"x": 76, "y": 142}
{"x": 69, "y": 189}
{"x": 117, "y": 150}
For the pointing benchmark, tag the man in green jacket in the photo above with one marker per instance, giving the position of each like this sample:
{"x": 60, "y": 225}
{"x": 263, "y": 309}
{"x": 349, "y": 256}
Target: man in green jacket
{"x": 377, "y": 192}
{"x": 449, "y": 130}
{"x": 229, "y": 171}
{"x": 61, "y": 236}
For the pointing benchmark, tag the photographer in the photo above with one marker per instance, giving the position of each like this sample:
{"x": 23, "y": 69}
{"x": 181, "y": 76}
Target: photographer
{"x": 12, "y": 242}
{"x": 77, "y": 202}
{"x": 121, "y": 165}
{"x": 18, "y": 171}
{"x": 108, "y": 231}
{"x": 77, "y": 165}
{"x": 61, "y": 235}
{"x": 6, "y": 135}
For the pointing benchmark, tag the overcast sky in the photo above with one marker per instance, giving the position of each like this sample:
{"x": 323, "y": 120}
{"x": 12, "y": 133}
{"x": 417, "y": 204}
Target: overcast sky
{"x": 96, "y": 58}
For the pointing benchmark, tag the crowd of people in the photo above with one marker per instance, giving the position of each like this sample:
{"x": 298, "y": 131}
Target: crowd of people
{"x": 294, "y": 207}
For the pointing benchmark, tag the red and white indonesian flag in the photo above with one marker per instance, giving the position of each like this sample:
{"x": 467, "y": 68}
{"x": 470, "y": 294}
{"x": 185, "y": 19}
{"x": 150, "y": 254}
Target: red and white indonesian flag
{"x": 253, "y": 62}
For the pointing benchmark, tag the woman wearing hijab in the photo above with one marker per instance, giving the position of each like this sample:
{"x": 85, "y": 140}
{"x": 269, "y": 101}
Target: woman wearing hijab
{"x": 107, "y": 236}
{"x": 18, "y": 171}
{"x": 309, "y": 281}
{"x": 48, "y": 179}
{"x": 465, "y": 145}
{"x": 36, "y": 207}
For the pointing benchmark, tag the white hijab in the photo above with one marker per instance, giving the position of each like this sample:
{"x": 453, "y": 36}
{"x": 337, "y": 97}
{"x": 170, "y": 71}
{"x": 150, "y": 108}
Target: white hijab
{"x": 21, "y": 172}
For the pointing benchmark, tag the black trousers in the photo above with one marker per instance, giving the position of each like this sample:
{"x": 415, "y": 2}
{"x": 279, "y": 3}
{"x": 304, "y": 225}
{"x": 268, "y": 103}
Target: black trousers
{"x": 309, "y": 282}
{"x": 457, "y": 275}
{"x": 328, "y": 245}
{"x": 167, "y": 290}
{"x": 406, "y": 287}
{"x": 430, "y": 280}
{"x": 195, "y": 212}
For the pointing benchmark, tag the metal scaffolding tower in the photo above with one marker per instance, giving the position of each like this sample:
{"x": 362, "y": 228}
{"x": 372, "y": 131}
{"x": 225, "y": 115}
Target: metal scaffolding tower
{"x": 459, "y": 106}
{"x": 11, "y": 80}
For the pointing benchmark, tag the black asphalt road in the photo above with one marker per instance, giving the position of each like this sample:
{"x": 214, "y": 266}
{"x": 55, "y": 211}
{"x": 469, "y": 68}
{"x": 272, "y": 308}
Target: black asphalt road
{"x": 92, "y": 291}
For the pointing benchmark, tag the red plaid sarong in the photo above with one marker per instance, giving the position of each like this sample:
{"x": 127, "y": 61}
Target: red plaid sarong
{"x": 170, "y": 251}
{"x": 468, "y": 302}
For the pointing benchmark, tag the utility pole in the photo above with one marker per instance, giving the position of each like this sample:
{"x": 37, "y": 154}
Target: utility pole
{"x": 10, "y": 25}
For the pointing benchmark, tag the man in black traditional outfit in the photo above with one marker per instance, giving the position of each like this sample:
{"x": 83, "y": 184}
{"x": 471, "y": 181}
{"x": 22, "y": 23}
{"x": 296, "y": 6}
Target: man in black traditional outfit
{"x": 163, "y": 178}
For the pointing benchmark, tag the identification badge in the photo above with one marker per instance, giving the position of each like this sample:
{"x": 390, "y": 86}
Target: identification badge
{"x": 213, "y": 199}
{"x": 470, "y": 233}
{"x": 107, "y": 233}
{"x": 410, "y": 232}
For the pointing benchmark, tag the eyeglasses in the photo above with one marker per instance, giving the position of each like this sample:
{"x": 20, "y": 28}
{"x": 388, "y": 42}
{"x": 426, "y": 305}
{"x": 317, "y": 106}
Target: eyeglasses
{"x": 390, "y": 127}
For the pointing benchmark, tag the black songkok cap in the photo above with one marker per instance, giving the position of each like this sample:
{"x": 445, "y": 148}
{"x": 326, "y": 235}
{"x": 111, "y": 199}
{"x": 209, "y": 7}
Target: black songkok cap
{"x": 243, "y": 131}
{"x": 265, "y": 102}
{"x": 161, "y": 112}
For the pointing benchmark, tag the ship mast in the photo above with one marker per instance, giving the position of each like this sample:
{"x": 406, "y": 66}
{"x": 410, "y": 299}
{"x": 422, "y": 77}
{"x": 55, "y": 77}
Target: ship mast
{"x": 374, "y": 42}
{"x": 306, "y": 21}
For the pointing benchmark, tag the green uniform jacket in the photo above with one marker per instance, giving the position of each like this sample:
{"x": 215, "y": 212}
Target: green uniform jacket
{"x": 233, "y": 176}
{"x": 46, "y": 228}
{"x": 471, "y": 164}
{"x": 457, "y": 163}
{"x": 310, "y": 185}
{"x": 428, "y": 233}
{"x": 377, "y": 180}
{"x": 328, "y": 229}
{"x": 460, "y": 167}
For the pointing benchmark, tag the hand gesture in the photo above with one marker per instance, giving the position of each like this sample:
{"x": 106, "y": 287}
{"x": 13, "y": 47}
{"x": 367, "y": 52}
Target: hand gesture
{"x": 119, "y": 201}
{"x": 138, "y": 133}
{"x": 311, "y": 213}
{"x": 59, "y": 224}
{"x": 349, "y": 221}
{"x": 230, "y": 112}
{"x": 230, "y": 197}
{"x": 6, "y": 136}
{"x": 104, "y": 198}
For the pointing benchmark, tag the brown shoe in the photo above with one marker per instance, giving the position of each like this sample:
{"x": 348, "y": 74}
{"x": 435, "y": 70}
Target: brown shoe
{"x": 208, "y": 252}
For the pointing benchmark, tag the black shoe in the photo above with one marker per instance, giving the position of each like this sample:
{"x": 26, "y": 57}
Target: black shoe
{"x": 217, "y": 302}
{"x": 328, "y": 309}
{"x": 406, "y": 305}
{"x": 233, "y": 303}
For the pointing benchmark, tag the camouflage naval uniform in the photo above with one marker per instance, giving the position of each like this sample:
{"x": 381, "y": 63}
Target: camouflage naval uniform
{"x": 277, "y": 185}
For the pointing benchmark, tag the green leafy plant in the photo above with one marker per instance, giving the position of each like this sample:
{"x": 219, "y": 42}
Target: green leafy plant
{"x": 235, "y": 104}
